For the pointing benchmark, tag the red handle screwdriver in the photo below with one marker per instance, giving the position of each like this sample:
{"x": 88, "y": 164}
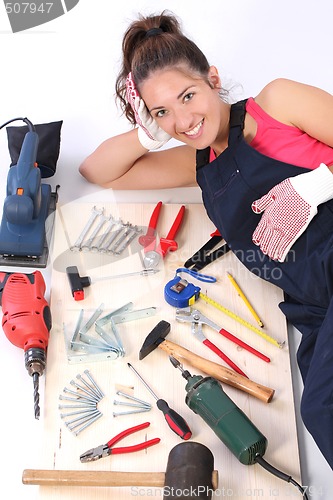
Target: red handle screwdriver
{"x": 173, "y": 419}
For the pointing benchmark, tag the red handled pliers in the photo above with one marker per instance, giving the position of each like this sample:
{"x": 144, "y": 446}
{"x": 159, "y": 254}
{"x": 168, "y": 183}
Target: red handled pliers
{"x": 208, "y": 253}
{"x": 154, "y": 252}
{"x": 104, "y": 450}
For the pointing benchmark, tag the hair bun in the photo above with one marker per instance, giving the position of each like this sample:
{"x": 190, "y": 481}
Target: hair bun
{"x": 153, "y": 32}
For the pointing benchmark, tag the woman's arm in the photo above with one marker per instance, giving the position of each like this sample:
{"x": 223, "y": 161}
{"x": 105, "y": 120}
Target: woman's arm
{"x": 121, "y": 162}
{"x": 288, "y": 208}
{"x": 304, "y": 106}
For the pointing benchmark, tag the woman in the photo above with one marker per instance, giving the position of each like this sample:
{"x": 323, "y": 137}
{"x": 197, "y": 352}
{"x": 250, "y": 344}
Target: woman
{"x": 264, "y": 166}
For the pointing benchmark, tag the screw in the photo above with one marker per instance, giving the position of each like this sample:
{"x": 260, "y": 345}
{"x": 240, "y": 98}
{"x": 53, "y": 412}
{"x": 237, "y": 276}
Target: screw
{"x": 86, "y": 406}
{"x": 99, "y": 390}
{"x": 80, "y": 412}
{"x": 128, "y": 396}
{"x": 78, "y": 400}
{"x": 88, "y": 423}
{"x": 81, "y": 420}
{"x": 131, "y": 412}
{"x": 90, "y": 394}
{"x": 123, "y": 403}
{"x": 80, "y": 396}
{"x": 78, "y": 376}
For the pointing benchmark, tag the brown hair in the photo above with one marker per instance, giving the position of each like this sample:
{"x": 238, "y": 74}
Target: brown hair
{"x": 152, "y": 43}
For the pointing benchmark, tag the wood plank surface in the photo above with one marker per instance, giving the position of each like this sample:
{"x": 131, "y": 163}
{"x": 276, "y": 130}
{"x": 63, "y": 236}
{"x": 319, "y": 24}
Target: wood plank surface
{"x": 276, "y": 420}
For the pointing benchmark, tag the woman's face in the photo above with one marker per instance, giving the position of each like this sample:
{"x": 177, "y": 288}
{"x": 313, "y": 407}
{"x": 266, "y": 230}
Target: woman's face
{"x": 187, "y": 107}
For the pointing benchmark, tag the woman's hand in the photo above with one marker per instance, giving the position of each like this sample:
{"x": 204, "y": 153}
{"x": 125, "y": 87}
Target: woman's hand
{"x": 287, "y": 210}
{"x": 150, "y": 134}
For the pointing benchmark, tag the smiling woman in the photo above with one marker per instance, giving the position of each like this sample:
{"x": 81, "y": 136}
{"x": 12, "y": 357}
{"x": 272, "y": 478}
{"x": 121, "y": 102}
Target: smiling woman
{"x": 270, "y": 155}
{"x": 181, "y": 98}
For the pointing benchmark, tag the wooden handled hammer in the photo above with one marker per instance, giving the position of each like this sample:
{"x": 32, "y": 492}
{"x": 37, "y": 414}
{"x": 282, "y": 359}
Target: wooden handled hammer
{"x": 156, "y": 338}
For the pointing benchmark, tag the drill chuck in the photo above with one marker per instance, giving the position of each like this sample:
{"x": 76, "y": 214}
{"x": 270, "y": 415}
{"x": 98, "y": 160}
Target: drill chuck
{"x": 35, "y": 361}
{"x": 206, "y": 397}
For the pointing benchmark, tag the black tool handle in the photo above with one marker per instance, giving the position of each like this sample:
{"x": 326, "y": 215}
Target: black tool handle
{"x": 174, "y": 420}
{"x": 77, "y": 282}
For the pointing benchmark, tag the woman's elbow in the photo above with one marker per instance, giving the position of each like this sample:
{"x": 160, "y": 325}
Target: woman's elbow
{"x": 90, "y": 172}
{"x": 87, "y": 171}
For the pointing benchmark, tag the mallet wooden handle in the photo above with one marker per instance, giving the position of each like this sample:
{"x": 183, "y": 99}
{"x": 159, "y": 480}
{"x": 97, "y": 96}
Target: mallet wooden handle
{"x": 92, "y": 478}
{"x": 217, "y": 371}
{"x": 98, "y": 478}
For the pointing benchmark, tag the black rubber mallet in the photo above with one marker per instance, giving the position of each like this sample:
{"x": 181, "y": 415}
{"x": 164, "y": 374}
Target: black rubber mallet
{"x": 189, "y": 474}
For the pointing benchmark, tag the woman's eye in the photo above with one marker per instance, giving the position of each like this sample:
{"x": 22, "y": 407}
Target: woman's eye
{"x": 160, "y": 113}
{"x": 188, "y": 96}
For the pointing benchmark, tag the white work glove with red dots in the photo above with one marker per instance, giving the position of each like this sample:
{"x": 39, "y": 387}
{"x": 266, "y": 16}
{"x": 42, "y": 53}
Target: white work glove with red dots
{"x": 288, "y": 208}
{"x": 150, "y": 135}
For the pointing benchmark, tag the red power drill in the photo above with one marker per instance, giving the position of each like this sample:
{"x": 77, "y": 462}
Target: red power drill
{"x": 27, "y": 321}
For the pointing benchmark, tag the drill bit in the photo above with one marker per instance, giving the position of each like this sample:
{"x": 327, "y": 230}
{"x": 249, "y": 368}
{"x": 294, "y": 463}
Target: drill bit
{"x": 177, "y": 364}
{"x": 35, "y": 378}
{"x": 35, "y": 361}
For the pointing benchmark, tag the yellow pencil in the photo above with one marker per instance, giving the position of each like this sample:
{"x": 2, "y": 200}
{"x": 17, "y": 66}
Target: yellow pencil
{"x": 245, "y": 299}
{"x": 241, "y": 320}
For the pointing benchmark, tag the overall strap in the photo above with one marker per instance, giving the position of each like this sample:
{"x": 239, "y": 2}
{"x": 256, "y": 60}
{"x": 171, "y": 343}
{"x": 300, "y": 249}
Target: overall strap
{"x": 237, "y": 117}
{"x": 202, "y": 157}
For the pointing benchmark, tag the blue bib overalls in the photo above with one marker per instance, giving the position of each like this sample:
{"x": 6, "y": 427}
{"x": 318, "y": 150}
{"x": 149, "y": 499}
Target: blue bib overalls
{"x": 229, "y": 185}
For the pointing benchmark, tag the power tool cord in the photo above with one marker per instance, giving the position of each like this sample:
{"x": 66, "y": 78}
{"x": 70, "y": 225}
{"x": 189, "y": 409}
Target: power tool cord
{"x": 25, "y": 120}
{"x": 261, "y": 461}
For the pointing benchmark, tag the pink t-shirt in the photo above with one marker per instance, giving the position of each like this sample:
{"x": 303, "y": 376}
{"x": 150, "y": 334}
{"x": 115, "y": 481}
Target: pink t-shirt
{"x": 285, "y": 142}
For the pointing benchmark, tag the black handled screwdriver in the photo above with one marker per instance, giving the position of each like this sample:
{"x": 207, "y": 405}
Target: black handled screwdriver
{"x": 173, "y": 419}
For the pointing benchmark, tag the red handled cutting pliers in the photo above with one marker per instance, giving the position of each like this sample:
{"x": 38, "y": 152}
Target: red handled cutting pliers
{"x": 104, "y": 450}
{"x": 154, "y": 252}
{"x": 208, "y": 253}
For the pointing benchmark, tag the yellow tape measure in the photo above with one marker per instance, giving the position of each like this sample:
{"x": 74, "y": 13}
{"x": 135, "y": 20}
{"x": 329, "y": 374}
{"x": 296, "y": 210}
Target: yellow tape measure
{"x": 241, "y": 320}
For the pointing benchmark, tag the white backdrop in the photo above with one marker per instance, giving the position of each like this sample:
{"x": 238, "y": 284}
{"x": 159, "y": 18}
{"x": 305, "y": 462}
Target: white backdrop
{"x": 66, "y": 70}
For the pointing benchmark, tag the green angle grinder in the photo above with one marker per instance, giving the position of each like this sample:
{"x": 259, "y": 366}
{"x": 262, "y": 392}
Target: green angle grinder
{"x": 205, "y": 396}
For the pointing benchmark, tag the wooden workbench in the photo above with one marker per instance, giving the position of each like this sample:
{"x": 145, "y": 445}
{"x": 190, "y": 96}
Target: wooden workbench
{"x": 276, "y": 420}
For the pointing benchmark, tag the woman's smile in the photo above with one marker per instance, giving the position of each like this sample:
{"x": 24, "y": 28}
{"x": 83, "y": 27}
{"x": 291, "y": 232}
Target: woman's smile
{"x": 195, "y": 130}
